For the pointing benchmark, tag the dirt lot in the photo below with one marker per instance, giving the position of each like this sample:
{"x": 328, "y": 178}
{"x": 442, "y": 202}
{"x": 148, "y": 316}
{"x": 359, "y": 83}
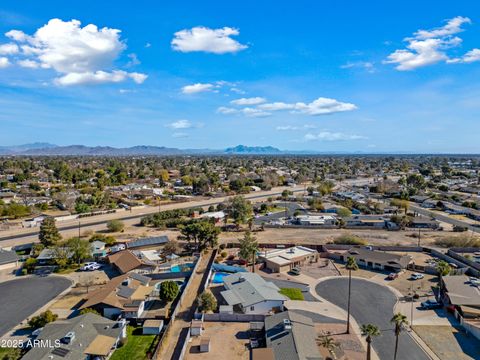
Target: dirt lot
{"x": 323, "y": 236}
{"x": 449, "y": 343}
{"x": 227, "y": 341}
{"x": 422, "y": 287}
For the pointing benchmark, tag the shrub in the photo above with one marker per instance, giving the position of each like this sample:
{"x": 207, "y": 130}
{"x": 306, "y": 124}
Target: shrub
{"x": 168, "y": 290}
{"x": 88, "y": 310}
{"x": 24, "y": 272}
{"x": 107, "y": 239}
{"x": 458, "y": 241}
{"x": 349, "y": 239}
{"x": 224, "y": 254}
{"x": 115, "y": 226}
{"x": 29, "y": 265}
{"x": 206, "y": 301}
{"x": 42, "y": 319}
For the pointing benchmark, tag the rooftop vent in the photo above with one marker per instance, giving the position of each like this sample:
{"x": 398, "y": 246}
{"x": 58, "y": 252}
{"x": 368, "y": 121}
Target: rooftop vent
{"x": 67, "y": 339}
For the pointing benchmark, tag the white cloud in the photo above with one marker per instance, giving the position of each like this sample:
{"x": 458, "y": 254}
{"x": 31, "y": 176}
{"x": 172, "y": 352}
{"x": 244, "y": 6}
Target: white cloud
{"x": 181, "y": 124}
{"x": 237, "y": 90}
{"x": 453, "y": 26}
{"x": 217, "y": 41}
{"x": 82, "y": 55}
{"x": 248, "y": 101}
{"x": 179, "y": 135}
{"x": 332, "y": 136}
{"x": 255, "y": 112}
{"x": 4, "y": 62}
{"x": 226, "y": 110}
{"x": 428, "y": 47}
{"x": 294, "y": 128}
{"x": 28, "y": 64}
{"x": 133, "y": 60}
{"x": 366, "y": 65}
{"x": 98, "y": 77}
{"x": 320, "y": 106}
{"x": 471, "y": 56}
{"x": 9, "y": 49}
{"x": 197, "y": 88}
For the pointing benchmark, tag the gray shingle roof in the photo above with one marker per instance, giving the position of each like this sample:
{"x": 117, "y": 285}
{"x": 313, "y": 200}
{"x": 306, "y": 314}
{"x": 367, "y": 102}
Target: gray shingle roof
{"x": 86, "y": 328}
{"x": 299, "y": 342}
{"x": 461, "y": 291}
{"x": 249, "y": 289}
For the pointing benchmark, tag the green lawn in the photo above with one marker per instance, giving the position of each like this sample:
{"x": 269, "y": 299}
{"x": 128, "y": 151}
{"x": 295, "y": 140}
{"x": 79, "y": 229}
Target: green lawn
{"x": 10, "y": 353}
{"x": 292, "y": 293}
{"x": 136, "y": 347}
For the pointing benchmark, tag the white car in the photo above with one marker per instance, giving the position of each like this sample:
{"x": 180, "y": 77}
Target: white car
{"x": 91, "y": 266}
{"x": 417, "y": 276}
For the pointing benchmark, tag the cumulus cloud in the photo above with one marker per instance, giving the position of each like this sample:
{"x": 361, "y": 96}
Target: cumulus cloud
{"x": 80, "y": 55}
{"x": 320, "y": 106}
{"x": 471, "y": 56}
{"x": 332, "y": 136}
{"x": 28, "y": 64}
{"x": 4, "y": 62}
{"x": 9, "y": 49}
{"x": 428, "y": 47}
{"x": 217, "y": 41}
{"x": 249, "y": 101}
{"x": 98, "y": 77}
{"x": 197, "y": 88}
{"x": 180, "y": 124}
{"x": 255, "y": 112}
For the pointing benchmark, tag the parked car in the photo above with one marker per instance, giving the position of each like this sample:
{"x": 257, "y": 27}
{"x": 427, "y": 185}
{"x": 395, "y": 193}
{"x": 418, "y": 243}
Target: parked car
{"x": 295, "y": 271}
{"x": 91, "y": 266}
{"x": 392, "y": 276}
{"x": 417, "y": 276}
{"x": 430, "y": 304}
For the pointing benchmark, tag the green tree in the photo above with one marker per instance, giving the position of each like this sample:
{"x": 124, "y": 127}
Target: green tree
{"x": 241, "y": 209}
{"x": 350, "y": 266}
{"x": 370, "y": 331}
{"x": 168, "y": 290}
{"x": 400, "y": 322}
{"x": 80, "y": 249}
{"x": 115, "y": 226}
{"x": 107, "y": 239}
{"x": 62, "y": 256}
{"x": 344, "y": 212}
{"x": 42, "y": 319}
{"x": 49, "y": 234}
{"x": 443, "y": 269}
{"x": 30, "y": 264}
{"x": 201, "y": 233}
{"x": 248, "y": 247}
{"x": 206, "y": 301}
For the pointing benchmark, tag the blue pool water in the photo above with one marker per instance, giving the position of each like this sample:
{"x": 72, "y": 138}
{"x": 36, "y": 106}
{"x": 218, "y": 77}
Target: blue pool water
{"x": 182, "y": 268}
{"x": 218, "y": 277}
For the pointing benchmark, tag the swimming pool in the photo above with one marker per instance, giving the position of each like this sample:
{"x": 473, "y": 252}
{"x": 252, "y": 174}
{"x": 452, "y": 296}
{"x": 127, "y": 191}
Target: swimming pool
{"x": 218, "y": 277}
{"x": 182, "y": 267}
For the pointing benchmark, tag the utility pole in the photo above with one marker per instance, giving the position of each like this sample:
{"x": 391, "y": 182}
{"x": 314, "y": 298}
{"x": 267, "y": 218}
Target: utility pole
{"x": 419, "y": 237}
{"x": 79, "y": 229}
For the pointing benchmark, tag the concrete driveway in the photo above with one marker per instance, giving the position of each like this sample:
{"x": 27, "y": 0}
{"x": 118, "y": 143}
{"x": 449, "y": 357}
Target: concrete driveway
{"x": 23, "y": 297}
{"x": 372, "y": 303}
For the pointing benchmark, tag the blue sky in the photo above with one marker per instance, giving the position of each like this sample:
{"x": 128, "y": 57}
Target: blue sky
{"x": 325, "y": 76}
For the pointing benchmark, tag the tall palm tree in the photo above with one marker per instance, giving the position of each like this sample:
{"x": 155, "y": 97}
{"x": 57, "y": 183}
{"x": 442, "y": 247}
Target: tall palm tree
{"x": 351, "y": 266}
{"x": 330, "y": 344}
{"x": 400, "y": 322}
{"x": 369, "y": 330}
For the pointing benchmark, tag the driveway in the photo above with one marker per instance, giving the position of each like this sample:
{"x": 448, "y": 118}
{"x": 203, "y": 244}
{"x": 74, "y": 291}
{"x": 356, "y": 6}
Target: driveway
{"x": 372, "y": 303}
{"x": 23, "y": 297}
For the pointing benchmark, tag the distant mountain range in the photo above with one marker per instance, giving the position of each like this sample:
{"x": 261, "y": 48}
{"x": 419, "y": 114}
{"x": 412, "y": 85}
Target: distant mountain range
{"x": 46, "y": 149}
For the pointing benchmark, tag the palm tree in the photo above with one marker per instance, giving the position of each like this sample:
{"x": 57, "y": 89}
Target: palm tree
{"x": 350, "y": 266}
{"x": 400, "y": 322}
{"x": 330, "y": 344}
{"x": 369, "y": 330}
{"x": 443, "y": 269}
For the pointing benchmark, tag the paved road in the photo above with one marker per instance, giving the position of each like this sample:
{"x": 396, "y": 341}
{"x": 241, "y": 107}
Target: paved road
{"x": 444, "y": 218}
{"x": 98, "y": 222}
{"x": 21, "y": 298}
{"x": 372, "y": 303}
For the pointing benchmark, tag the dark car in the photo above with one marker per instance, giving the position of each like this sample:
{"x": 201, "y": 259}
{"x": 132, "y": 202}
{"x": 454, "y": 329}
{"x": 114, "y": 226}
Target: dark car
{"x": 430, "y": 304}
